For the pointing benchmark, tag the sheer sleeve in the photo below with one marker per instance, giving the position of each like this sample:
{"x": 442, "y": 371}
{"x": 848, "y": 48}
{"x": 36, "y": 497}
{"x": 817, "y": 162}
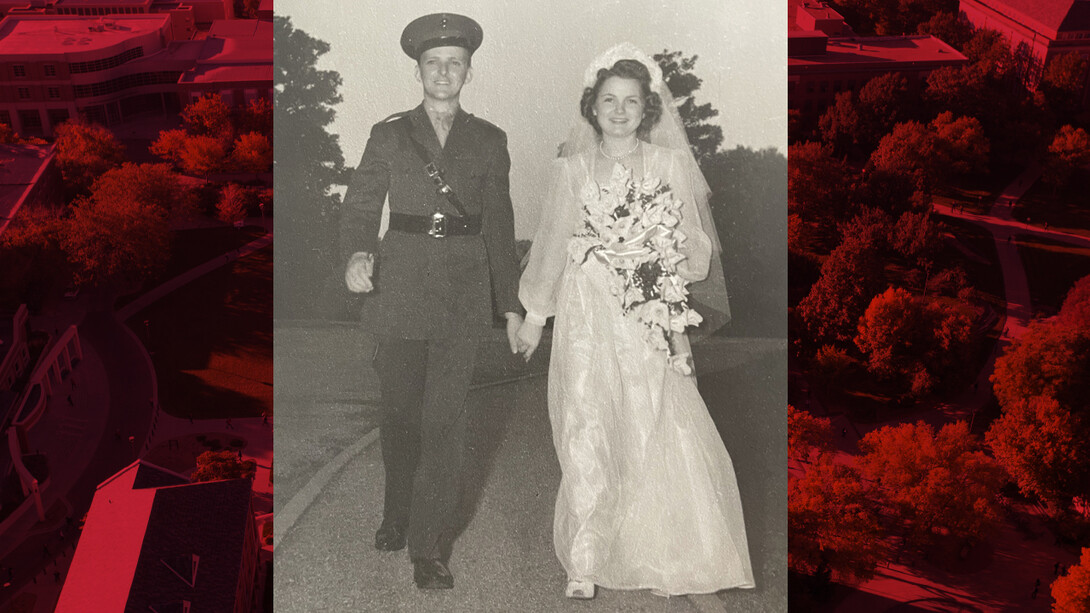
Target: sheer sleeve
{"x": 696, "y": 247}
{"x": 558, "y": 221}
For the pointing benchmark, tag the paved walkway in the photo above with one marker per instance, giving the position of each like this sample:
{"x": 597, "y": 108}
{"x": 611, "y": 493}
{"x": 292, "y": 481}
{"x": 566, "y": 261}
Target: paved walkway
{"x": 1000, "y": 574}
{"x": 87, "y": 440}
{"x": 504, "y": 559}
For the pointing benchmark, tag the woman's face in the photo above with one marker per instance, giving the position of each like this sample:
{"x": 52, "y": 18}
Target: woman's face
{"x": 619, "y": 107}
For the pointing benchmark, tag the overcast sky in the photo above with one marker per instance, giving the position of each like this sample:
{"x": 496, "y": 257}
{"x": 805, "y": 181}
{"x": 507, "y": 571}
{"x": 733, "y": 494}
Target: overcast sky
{"x": 528, "y": 71}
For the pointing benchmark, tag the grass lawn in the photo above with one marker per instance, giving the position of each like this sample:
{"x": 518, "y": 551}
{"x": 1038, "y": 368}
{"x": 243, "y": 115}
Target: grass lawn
{"x": 1066, "y": 210}
{"x": 1051, "y": 269}
{"x": 211, "y": 342}
{"x": 194, "y": 247}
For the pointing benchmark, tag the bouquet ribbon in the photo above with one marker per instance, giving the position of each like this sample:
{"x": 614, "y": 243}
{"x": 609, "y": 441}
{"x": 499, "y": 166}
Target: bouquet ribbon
{"x": 635, "y": 246}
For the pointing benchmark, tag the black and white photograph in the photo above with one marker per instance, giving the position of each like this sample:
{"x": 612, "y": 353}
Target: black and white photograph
{"x": 530, "y": 306}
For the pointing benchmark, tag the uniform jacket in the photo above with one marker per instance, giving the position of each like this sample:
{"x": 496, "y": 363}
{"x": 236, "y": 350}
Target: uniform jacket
{"x": 427, "y": 287}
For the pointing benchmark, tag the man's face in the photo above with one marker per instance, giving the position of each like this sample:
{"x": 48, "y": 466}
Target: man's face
{"x": 443, "y": 71}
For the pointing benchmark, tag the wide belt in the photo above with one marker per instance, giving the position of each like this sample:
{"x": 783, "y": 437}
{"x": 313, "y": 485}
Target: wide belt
{"x": 437, "y": 225}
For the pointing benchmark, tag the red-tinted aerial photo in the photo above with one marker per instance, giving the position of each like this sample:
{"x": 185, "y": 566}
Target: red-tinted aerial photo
{"x": 135, "y": 305}
{"x": 939, "y": 237}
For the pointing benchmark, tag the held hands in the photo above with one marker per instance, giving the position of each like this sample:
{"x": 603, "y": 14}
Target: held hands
{"x": 357, "y": 274}
{"x": 528, "y": 337}
{"x": 514, "y": 322}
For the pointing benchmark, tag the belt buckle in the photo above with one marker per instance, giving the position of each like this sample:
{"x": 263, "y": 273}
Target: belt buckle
{"x": 438, "y": 227}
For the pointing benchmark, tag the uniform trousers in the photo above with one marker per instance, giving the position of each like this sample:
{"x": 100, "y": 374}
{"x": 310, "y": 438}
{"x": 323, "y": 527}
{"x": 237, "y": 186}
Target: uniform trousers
{"x": 424, "y": 384}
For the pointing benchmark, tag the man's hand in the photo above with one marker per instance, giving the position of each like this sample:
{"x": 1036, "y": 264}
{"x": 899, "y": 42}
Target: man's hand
{"x": 514, "y": 322}
{"x": 357, "y": 275}
{"x": 529, "y": 335}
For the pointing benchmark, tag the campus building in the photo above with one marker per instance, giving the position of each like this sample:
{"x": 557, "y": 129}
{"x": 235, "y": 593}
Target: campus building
{"x": 1037, "y": 31}
{"x": 825, "y": 57}
{"x": 154, "y": 541}
{"x": 203, "y": 12}
{"x": 112, "y": 69}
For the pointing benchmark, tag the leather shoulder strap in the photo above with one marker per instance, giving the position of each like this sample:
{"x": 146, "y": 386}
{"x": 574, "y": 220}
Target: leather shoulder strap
{"x": 435, "y": 174}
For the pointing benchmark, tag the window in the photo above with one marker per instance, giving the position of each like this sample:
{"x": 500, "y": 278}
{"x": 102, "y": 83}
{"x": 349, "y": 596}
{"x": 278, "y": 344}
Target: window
{"x": 57, "y": 116}
{"x": 54, "y": 92}
{"x": 19, "y": 70}
{"x": 30, "y": 119}
{"x": 50, "y": 70}
{"x": 24, "y": 93}
{"x": 110, "y": 62}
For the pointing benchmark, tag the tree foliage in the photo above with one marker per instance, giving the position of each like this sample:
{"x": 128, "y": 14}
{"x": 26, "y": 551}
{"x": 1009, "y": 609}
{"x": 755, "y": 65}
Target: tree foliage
{"x": 677, "y": 72}
{"x": 850, "y": 277}
{"x": 120, "y": 234}
{"x": 219, "y": 465}
{"x": 1068, "y": 152}
{"x": 252, "y": 153}
{"x": 934, "y": 480}
{"x": 209, "y": 116}
{"x": 915, "y": 341}
{"x": 1063, "y": 83}
{"x": 833, "y": 523}
{"x": 807, "y": 435}
{"x": 232, "y": 204}
{"x": 934, "y": 152}
{"x": 84, "y": 152}
{"x": 307, "y": 164}
{"x": 1042, "y": 383}
{"x": 1071, "y": 592}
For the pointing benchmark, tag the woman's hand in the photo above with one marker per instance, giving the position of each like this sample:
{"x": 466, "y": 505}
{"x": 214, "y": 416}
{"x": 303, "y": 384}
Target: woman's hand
{"x": 529, "y": 335}
{"x": 357, "y": 275}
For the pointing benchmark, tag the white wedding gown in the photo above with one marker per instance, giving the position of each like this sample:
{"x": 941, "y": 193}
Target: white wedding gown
{"x": 648, "y": 497}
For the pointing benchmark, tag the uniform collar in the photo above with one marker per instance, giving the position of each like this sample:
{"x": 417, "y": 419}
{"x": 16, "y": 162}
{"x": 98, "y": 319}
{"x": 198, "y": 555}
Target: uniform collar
{"x": 423, "y": 127}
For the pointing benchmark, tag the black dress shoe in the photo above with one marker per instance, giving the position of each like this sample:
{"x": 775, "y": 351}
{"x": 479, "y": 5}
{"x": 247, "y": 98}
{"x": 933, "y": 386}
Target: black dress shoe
{"x": 432, "y": 575}
{"x": 390, "y": 538}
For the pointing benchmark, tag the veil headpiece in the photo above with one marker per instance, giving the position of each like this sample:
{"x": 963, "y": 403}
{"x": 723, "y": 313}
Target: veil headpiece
{"x": 709, "y": 295}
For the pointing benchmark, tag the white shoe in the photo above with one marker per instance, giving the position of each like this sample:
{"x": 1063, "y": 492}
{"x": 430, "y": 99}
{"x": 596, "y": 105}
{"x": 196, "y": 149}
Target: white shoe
{"x": 579, "y": 590}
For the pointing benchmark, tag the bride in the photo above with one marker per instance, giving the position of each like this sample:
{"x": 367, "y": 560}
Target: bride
{"x": 648, "y": 497}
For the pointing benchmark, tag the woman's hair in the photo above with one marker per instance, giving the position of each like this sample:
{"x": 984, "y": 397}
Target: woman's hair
{"x": 626, "y": 69}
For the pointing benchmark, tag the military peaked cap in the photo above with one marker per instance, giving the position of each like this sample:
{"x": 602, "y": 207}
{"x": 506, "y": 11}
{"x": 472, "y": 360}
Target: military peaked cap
{"x": 440, "y": 30}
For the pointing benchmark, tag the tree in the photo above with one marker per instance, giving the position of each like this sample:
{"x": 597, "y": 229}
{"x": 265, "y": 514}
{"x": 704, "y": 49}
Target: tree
{"x": 1069, "y": 151}
{"x": 1063, "y": 83}
{"x": 947, "y": 27}
{"x": 850, "y": 277}
{"x": 1075, "y": 310}
{"x": 307, "y": 164}
{"x": 33, "y": 262}
{"x": 807, "y": 435}
{"x": 677, "y": 73}
{"x": 152, "y": 184}
{"x": 963, "y": 148}
{"x": 257, "y": 116}
{"x": 84, "y": 152}
{"x": 219, "y": 465}
{"x": 169, "y": 145}
{"x": 916, "y": 237}
{"x": 840, "y": 124}
{"x": 120, "y": 234}
{"x": 232, "y": 204}
{"x": 934, "y": 480}
{"x": 833, "y": 523}
{"x": 1072, "y": 591}
{"x": 209, "y": 116}
{"x": 1047, "y": 360}
{"x": 931, "y": 153}
{"x": 916, "y": 341}
{"x": 815, "y": 183}
{"x": 253, "y": 153}
{"x": 202, "y": 155}
{"x": 1044, "y": 448}
{"x": 120, "y": 243}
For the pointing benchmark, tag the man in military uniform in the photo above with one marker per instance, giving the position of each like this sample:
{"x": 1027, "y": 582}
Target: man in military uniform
{"x": 448, "y": 255}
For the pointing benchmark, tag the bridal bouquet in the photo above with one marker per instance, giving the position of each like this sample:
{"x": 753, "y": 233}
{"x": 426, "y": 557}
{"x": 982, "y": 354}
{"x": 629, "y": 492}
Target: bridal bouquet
{"x": 631, "y": 227}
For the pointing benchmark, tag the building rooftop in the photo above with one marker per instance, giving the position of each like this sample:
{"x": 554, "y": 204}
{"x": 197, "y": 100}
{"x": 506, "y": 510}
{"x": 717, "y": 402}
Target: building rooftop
{"x": 52, "y": 34}
{"x": 20, "y": 167}
{"x": 79, "y": 3}
{"x": 1051, "y": 16}
{"x": 875, "y": 50}
{"x": 244, "y": 55}
{"x": 152, "y": 538}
